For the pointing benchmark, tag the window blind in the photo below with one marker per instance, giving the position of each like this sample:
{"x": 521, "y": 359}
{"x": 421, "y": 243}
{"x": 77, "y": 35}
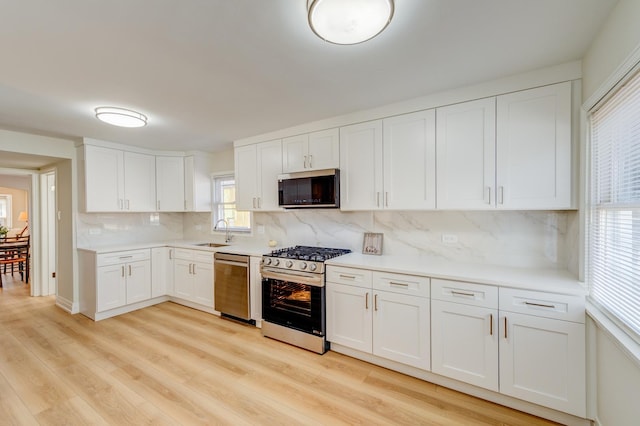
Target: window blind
{"x": 614, "y": 214}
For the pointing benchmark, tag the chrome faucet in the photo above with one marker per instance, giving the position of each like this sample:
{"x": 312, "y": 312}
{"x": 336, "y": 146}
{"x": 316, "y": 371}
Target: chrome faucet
{"x": 228, "y": 235}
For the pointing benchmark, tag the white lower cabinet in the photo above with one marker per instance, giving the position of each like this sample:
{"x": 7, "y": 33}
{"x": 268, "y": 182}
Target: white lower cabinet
{"x": 530, "y": 345}
{"x": 162, "y": 271}
{"x": 390, "y": 324}
{"x": 193, "y": 276}
{"x": 542, "y": 357}
{"x": 123, "y": 278}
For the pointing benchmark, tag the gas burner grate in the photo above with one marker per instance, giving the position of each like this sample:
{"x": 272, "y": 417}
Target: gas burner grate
{"x": 315, "y": 254}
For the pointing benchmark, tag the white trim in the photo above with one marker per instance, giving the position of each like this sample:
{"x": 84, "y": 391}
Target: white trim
{"x": 622, "y": 340}
{"x": 67, "y": 305}
{"x": 629, "y": 65}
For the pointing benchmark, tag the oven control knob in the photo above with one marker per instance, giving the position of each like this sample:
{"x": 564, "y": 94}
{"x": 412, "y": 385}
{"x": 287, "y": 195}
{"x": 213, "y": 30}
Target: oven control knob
{"x": 303, "y": 265}
{"x": 313, "y": 267}
{"x": 267, "y": 261}
{"x": 276, "y": 262}
{"x": 288, "y": 264}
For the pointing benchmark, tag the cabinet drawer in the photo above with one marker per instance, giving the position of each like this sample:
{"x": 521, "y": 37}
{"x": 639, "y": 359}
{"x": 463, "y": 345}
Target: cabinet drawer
{"x": 547, "y": 305}
{"x": 349, "y": 276}
{"x": 123, "y": 257}
{"x": 181, "y": 253}
{"x": 203, "y": 256}
{"x": 401, "y": 283}
{"x": 464, "y": 292}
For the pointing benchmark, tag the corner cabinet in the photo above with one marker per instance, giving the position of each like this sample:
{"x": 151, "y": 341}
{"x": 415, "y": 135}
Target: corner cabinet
{"x": 389, "y": 164}
{"x": 118, "y": 180}
{"x": 162, "y": 271}
{"x": 383, "y": 314}
{"x": 509, "y": 152}
{"x": 170, "y": 184}
{"x": 257, "y": 168}
{"x": 311, "y": 151}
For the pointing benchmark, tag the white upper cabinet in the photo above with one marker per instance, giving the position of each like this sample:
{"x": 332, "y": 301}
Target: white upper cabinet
{"x": 509, "y": 152}
{"x": 312, "y": 151}
{"x": 104, "y": 179}
{"x": 118, "y": 180}
{"x": 170, "y": 184}
{"x": 534, "y": 148}
{"x": 361, "y": 178}
{"x": 409, "y": 158}
{"x": 139, "y": 182}
{"x": 465, "y": 146}
{"x": 197, "y": 183}
{"x": 257, "y": 168}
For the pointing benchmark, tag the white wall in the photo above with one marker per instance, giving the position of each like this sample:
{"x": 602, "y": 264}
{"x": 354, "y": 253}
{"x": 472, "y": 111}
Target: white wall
{"x": 616, "y": 376}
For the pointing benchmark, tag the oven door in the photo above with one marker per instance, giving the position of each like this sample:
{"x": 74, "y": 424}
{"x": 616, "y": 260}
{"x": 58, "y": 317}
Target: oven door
{"x": 294, "y": 300}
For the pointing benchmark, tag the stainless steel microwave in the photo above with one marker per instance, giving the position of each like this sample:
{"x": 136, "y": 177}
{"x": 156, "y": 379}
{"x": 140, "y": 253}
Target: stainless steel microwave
{"x": 313, "y": 189}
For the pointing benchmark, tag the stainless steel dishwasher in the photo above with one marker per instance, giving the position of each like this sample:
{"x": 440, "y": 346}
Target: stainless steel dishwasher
{"x": 231, "y": 287}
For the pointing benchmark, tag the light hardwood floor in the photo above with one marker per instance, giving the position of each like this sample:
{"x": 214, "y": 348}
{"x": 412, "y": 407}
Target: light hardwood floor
{"x": 173, "y": 365}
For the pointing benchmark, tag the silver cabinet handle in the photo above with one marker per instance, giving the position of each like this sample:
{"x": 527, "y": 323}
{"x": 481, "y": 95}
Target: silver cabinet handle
{"x": 386, "y": 199}
{"x": 122, "y": 270}
{"x": 375, "y": 302}
{"x": 305, "y": 162}
{"x": 398, "y": 284}
{"x": 351, "y": 277}
{"x": 129, "y": 270}
{"x": 190, "y": 265}
{"x": 194, "y": 269}
{"x": 120, "y": 204}
{"x": 377, "y": 199}
{"x": 254, "y": 202}
{"x": 501, "y": 194}
{"x": 126, "y": 204}
{"x": 366, "y": 301}
{"x": 487, "y": 195}
{"x": 462, "y": 293}
{"x": 490, "y": 324}
{"x": 310, "y": 159}
{"x": 541, "y": 305}
{"x": 125, "y": 257}
{"x": 170, "y": 254}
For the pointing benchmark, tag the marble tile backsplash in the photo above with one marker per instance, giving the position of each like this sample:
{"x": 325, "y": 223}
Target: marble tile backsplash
{"x": 538, "y": 239}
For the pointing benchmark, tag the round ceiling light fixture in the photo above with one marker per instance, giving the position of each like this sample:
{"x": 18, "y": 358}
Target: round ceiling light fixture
{"x": 349, "y": 21}
{"x": 121, "y": 117}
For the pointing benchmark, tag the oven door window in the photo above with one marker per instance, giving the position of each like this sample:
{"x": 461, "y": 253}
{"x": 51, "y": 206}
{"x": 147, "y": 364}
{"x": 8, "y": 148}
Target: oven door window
{"x": 293, "y": 305}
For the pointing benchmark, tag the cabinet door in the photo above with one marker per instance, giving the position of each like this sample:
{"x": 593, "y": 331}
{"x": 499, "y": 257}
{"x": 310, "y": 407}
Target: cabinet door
{"x": 246, "y": 175}
{"x": 139, "y": 182}
{"x": 138, "y": 276}
{"x": 183, "y": 284}
{"x": 197, "y": 183}
{"x": 324, "y": 150}
{"x": 542, "y": 361}
{"x": 464, "y": 343}
{"x": 161, "y": 271}
{"x": 534, "y": 148}
{"x": 295, "y": 153}
{"x": 410, "y": 161}
{"x": 203, "y": 283}
{"x": 361, "y": 166}
{"x": 170, "y": 184}
{"x": 269, "y": 157}
{"x": 112, "y": 290}
{"x": 104, "y": 179}
{"x": 465, "y": 147}
{"x": 349, "y": 316}
{"x": 401, "y": 329}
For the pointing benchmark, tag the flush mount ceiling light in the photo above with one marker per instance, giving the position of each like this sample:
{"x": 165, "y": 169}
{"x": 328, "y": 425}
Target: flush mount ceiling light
{"x": 121, "y": 117}
{"x": 349, "y": 21}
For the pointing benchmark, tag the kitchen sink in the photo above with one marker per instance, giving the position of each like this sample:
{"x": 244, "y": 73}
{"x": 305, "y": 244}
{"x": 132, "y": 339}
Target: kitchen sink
{"x": 212, "y": 245}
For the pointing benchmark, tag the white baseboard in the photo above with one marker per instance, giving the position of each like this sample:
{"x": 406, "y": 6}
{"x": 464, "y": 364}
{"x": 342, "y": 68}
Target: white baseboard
{"x": 67, "y": 305}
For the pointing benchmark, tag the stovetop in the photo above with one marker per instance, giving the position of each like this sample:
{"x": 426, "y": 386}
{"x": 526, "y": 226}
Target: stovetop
{"x": 302, "y": 258}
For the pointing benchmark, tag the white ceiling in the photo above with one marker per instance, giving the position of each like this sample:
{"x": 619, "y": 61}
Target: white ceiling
{"x": 208, "y": 72}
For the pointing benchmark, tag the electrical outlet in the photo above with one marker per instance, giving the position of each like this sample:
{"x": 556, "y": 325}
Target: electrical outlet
{"x": 449, "y": 238}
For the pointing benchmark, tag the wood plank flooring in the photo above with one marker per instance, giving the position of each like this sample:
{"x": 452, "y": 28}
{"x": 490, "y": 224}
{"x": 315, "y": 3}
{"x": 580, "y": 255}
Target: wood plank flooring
{"x": 171, "y": 365}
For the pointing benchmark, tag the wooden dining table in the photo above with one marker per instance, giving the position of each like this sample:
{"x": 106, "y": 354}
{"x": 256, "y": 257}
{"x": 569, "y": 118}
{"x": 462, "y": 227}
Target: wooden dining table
{"x": 9, "y": 248}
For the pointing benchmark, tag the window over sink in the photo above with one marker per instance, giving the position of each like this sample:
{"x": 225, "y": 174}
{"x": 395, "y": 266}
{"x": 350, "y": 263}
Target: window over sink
{"x": 224, "y": 205}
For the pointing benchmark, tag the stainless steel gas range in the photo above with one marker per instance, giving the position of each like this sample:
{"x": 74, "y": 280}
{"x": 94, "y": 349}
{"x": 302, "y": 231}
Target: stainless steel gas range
{"x": 293, "y": 295}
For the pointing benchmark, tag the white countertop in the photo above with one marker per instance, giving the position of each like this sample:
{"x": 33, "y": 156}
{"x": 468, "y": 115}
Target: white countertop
{"x": 549, "y": 280}
{"x": 249, "y": 249}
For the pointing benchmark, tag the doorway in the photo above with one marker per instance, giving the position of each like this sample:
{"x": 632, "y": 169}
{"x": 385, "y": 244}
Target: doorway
{"x": 49, "y": 233}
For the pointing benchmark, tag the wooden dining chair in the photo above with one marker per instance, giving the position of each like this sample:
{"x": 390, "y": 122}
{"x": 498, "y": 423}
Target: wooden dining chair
{"x": 14, "y": 251}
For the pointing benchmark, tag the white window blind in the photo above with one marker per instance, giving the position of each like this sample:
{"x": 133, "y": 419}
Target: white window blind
{"x": 614, "y": 219}
{"x": 224, "y": 205}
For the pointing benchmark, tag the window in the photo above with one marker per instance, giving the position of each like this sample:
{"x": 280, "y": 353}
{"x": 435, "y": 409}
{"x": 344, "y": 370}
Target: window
{"x": 224, "y": 205}
{"x": 614, "y": 213}
{"x": 5, "y": 210}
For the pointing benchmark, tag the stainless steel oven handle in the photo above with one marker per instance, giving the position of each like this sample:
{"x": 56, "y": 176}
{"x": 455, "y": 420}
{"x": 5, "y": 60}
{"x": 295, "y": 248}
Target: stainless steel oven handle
{"x": 315, "y": 281}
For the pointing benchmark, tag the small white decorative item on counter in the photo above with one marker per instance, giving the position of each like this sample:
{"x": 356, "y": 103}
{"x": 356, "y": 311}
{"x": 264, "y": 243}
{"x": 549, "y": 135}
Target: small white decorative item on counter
{"x": 372, "y": 243}
{"x": 273, "y": 243}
